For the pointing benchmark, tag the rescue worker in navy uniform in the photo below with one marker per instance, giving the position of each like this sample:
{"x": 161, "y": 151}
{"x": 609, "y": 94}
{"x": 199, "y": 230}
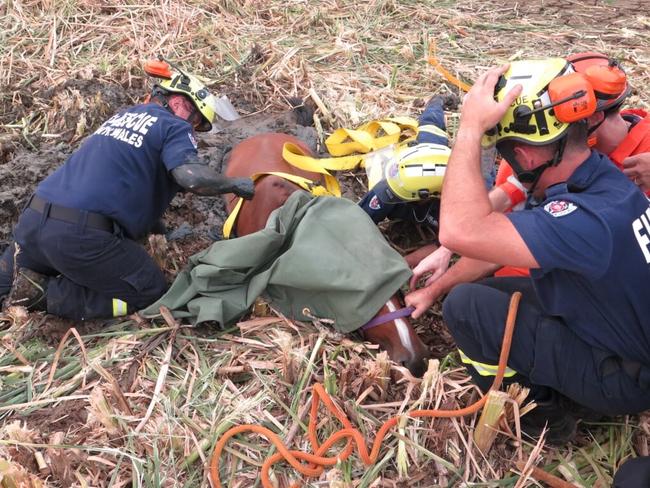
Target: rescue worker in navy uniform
{"x": 401, "y": 196}
{"x": 409, "y": 184}
{"x": 75, "y": 241}
{"x": 582, "y": 336}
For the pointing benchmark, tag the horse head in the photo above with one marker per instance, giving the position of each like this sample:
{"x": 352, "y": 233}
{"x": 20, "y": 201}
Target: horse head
{"x": 391, "y": 329}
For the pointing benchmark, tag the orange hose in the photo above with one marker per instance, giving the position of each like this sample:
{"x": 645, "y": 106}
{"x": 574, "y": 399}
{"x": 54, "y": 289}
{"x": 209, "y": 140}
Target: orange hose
{"x": 317, "y": 461}
{"x": 433, "y": 61}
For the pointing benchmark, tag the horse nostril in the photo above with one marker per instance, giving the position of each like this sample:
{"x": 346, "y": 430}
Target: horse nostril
{"x": 417, "y": 368}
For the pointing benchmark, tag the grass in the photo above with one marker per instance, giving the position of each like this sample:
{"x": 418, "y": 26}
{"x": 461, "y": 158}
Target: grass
{"x": 63, "y": 59}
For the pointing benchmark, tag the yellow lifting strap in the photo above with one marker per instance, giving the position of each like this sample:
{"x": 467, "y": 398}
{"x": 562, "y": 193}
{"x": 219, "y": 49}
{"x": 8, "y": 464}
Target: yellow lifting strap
{"x": 304, "y": 183}
{"x": 349, "y": 146}
{"x": 343, "y": 144}
{"x": 296, "y": 157}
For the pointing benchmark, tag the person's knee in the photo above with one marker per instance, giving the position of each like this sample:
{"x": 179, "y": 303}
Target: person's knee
{"x": 156, "y": 289}
{"x": 456, "y": 306}
{"x": 472, "y": 313}
{"x": 143, "y": 287}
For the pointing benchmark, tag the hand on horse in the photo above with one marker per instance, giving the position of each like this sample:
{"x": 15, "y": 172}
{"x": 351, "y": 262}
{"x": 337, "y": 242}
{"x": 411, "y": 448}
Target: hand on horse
{"x": 243, "y": 187}
{"x": 422, "y": 300}
{"x": 435, "y": 263}
{"x": 199, "y": 178}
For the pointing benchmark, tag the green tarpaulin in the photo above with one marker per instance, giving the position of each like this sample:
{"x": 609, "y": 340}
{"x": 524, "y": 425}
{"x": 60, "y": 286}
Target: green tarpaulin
{"x": 323, "y": 254}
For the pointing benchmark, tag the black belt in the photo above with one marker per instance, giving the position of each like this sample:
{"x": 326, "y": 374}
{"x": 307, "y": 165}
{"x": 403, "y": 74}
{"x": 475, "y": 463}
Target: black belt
{"x": 71, "y": 215}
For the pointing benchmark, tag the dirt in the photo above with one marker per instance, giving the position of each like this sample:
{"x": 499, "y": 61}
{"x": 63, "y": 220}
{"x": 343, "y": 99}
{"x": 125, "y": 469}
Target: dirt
{"x": 573, "y": 12}
{"x": 198, "y": 219}
{"x": 18, "y": 178}
{"x": 82, "y": 106}
{"x": 65, "y": 424}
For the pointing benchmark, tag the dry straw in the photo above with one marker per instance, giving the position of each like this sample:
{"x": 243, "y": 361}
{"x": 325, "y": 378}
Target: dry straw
{"x": 141, "y": 404}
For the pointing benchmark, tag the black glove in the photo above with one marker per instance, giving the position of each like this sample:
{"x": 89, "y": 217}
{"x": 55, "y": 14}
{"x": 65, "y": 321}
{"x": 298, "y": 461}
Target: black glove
{"x": 243, "y": 187}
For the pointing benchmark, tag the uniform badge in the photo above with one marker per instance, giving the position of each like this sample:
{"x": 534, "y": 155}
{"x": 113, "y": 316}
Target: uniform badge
{"x": 560, "y": 208}
{"x": 192, "y": 140}
{"x": 374, "y": 203}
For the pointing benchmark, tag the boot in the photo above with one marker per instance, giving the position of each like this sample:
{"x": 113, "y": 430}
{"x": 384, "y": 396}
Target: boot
{"x": 28, "y": 290}
{"x": 560, "y": 424}
{"x": 579, "y": 411}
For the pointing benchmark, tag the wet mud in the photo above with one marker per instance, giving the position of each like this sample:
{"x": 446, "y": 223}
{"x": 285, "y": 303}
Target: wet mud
{"x": 79, "y": 106}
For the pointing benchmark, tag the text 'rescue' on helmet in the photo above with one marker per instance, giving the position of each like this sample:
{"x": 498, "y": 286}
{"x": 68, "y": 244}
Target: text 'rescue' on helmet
{"x": 414, "y": 173}
{"x": 532, "y": 117}
{"x": 553, "y": 97}
{"x": 188, "y": 85}
{"x": 605, "y": 75}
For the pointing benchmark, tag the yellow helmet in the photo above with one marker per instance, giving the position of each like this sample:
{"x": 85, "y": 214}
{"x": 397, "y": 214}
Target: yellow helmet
{"x": 554, "y": 96}
{"x": 180, "y": 82}
{"x": 415, "y": 173}
{"x": 531, "y": 118}
{"x": 203, "y": 100}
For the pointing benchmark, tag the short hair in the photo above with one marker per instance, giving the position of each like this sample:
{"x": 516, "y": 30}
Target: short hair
{"x": 577, "y": 135}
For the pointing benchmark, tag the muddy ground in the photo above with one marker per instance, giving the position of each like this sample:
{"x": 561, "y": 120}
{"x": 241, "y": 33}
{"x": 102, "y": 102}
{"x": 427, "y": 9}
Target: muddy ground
{"x": 83, "y": 105}
{"x": 192, "y": 222}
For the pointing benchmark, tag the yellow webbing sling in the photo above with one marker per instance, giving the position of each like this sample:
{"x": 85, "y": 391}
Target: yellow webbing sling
{"x": 343, "y": 144}
{"x": 331, "y": 188}
{"x": 349, "y": 146}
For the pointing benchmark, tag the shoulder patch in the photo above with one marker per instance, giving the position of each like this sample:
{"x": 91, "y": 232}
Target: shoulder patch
{"x": 560, "y": 208}
{"x": 374, "y": 203}
{"x": 192, "y": 140}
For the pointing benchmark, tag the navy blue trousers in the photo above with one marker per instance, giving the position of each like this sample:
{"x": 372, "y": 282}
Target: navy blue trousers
{"x": 93, "y": 272}
{"x": 547, "y": 355}
{"x": 634, "y": 473}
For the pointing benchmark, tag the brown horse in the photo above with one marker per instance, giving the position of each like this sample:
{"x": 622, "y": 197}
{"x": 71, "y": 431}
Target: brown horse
{"x": 390, "y": 328}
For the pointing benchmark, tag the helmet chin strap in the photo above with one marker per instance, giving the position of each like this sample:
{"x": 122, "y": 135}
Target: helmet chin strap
{"x": 593, "y": 128}
{"x": 533, "y": 176}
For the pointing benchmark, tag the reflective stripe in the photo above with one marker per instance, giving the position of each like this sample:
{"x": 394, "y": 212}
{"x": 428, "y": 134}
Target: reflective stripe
{"x": 433, "y": 129}
{"x": 119, "y": 307}
{"x": 485, "y": 369}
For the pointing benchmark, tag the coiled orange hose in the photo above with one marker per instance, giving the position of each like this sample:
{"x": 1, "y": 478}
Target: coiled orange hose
{"x": 317, "y": 461}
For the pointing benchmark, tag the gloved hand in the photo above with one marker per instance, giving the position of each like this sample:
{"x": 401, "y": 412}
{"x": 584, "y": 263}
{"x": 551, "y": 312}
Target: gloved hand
{"x": 201, "y": 179}
{"x": 243, "y": 187}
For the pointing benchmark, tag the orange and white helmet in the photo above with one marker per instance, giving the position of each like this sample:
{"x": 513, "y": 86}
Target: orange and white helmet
{"x": 605, "y": 75}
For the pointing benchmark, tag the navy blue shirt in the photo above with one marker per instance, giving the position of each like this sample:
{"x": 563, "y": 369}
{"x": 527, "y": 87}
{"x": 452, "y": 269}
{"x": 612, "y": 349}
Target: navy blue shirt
{"x": 123, "y": 170}
{"x": 591, "y": 238}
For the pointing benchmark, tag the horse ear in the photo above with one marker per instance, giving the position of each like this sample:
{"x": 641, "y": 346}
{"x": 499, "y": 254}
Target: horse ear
{"x": 304, "y": 113}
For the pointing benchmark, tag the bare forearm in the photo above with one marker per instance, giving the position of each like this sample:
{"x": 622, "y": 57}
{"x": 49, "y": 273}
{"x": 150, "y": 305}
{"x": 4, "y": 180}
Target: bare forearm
{"x": 466, "y": 270}
{"x": 464, "y": 197}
